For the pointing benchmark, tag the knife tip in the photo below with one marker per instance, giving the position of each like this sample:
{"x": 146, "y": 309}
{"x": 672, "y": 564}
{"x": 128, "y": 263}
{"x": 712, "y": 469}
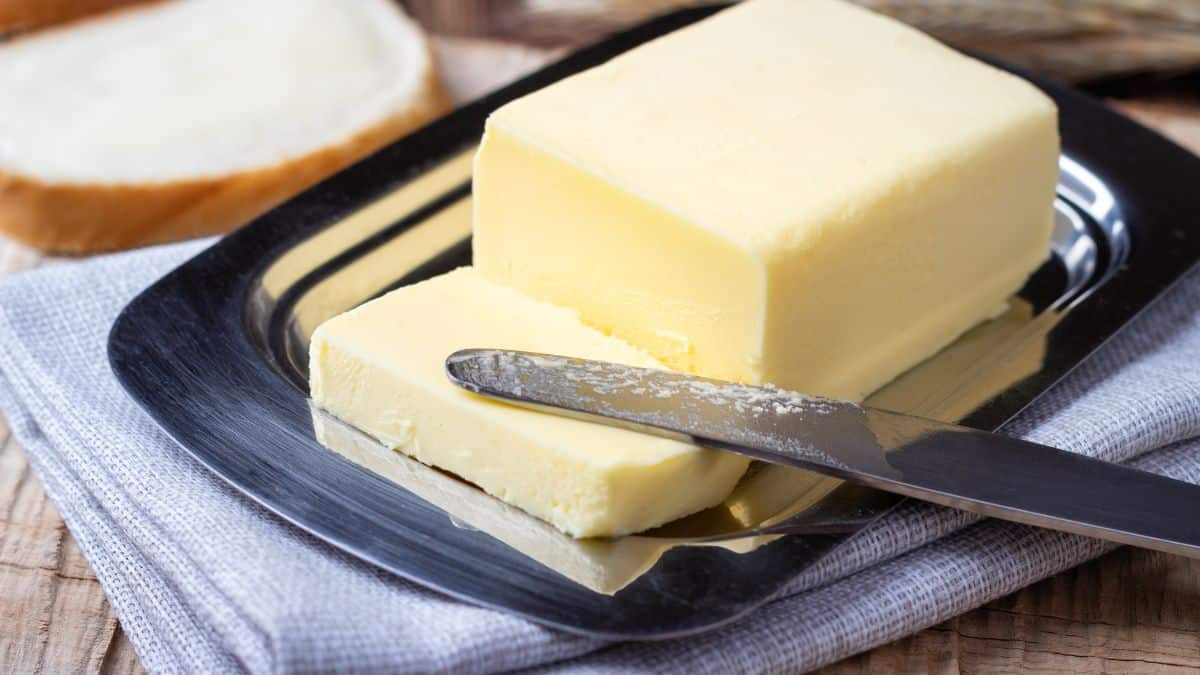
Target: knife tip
{"x": 462, "y": 368}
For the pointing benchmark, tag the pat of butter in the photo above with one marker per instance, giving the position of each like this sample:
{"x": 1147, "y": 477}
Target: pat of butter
{"x": 380, "y": 368}
{"x": 795, "y": 192}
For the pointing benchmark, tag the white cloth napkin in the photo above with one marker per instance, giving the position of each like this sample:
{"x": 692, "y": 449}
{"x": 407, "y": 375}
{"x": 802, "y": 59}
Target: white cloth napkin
{"x": 206, "y": 581}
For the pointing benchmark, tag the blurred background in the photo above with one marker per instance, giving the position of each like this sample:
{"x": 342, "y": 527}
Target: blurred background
{"x": 1075, "y": 40}
{"x": 1142, "y": 54}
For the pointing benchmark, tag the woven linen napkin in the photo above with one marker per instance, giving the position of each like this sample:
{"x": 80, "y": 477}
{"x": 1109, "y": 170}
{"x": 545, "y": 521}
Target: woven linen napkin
{"x": 204, "y": 580}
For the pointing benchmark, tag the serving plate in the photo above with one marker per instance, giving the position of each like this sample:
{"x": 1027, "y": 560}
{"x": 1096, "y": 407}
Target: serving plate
{"x": 216, "y": 354}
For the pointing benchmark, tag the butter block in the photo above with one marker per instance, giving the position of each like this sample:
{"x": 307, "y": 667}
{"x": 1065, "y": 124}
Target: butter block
{"x": 799, "y": 193}
{"x": 379, "y": 367}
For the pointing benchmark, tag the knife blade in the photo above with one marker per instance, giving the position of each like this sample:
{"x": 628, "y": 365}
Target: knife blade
{"x": 956, "y": 466}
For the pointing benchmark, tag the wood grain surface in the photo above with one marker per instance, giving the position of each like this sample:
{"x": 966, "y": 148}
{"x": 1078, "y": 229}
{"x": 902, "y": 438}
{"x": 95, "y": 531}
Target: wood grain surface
{"x": 1131, "y": 611}
{"x": 54, "y": 616}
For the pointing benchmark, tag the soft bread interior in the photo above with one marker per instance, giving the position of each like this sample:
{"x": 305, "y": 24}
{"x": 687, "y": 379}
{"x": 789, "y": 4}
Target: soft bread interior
{"x": 203, "y": 88}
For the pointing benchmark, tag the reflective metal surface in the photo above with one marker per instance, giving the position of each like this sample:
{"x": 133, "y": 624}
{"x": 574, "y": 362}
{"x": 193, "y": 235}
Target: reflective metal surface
{"x": 215, "y": 352}
{"x": 947, "y": 464}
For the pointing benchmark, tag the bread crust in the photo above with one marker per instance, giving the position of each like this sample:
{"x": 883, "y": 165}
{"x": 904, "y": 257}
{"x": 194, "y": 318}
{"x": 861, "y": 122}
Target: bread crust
{"x": 80, "y": 218}
{"x": 25, "y": 14}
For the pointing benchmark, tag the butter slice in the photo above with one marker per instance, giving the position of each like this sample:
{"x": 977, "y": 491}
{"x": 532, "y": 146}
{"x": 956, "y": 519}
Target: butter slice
{"x": 795, "y": 192}
{"x": 380, "y": 368}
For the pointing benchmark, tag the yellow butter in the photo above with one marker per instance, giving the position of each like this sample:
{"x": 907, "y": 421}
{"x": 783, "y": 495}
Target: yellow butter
{"x": 795, "y": 192}
{"x": 380, "y": 368}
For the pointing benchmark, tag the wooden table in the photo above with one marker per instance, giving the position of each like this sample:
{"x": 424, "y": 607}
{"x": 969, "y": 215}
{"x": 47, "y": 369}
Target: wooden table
{"x": 1130, "y": 611}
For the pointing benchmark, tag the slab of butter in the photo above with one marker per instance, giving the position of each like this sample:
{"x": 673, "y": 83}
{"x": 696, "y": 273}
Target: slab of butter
{"x": 795, "y": 192}
{"x": 380, "y": 368}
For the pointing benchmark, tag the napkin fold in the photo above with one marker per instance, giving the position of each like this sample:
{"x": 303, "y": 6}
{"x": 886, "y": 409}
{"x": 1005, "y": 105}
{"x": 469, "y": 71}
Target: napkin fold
{"x": 205, "y": 580}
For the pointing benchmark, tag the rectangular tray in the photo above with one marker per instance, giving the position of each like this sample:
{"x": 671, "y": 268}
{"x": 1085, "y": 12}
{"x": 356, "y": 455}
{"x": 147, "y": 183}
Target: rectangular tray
{"x": 216, "y": 353}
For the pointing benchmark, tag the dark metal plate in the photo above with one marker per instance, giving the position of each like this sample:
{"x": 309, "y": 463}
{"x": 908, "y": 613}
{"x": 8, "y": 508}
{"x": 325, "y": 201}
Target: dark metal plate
{"x": 215, "y": 352}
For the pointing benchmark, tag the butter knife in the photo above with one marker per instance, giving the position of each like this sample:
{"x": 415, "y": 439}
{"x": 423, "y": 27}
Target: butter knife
{"x": 956, "y": 466}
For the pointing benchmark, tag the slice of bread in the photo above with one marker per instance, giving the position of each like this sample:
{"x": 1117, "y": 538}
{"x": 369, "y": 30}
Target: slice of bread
{"x": 189, "y": 117}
